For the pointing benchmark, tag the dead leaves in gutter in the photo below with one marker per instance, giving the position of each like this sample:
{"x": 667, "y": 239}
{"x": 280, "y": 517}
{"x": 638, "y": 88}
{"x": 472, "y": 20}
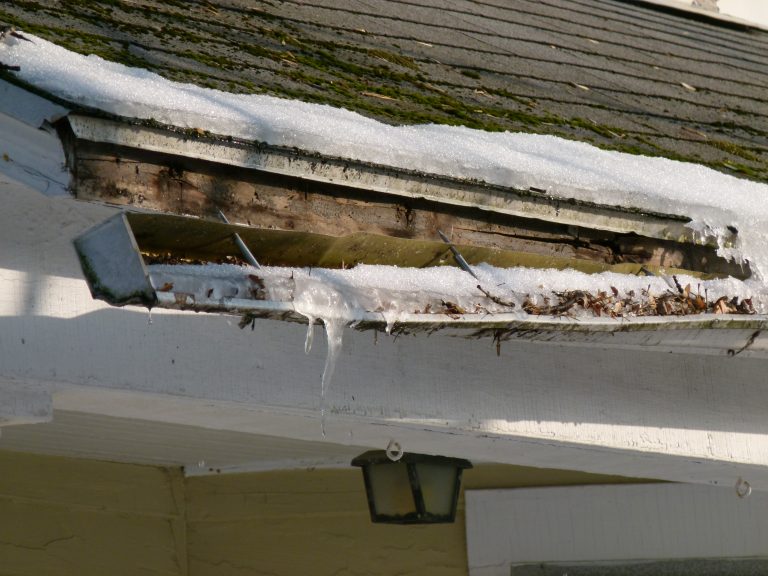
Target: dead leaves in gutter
{"x": 683, "y": 302}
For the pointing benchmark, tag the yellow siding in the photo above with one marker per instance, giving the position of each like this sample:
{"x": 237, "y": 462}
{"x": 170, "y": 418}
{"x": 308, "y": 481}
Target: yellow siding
{"x": 61, "y": 516}
{"x": 64, "y": 516}
{"x": 316, "y": 522}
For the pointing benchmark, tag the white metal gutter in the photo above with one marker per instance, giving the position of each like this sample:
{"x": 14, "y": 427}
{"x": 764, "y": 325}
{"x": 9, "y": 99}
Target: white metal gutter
{"x": 115, "y": 270}
{"x": 725, "y": 335}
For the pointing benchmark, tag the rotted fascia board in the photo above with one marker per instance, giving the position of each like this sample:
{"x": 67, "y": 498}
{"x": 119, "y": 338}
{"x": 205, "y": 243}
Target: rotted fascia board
{"x": 377, "y": 178}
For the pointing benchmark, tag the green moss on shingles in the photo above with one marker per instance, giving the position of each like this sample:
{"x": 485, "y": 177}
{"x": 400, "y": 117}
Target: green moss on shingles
{"x": 272, "y": 55}
{"x": 733, "y": 149}
{"x": 743, "y": 169}
{"x": 730, "y": 126}
{"x": 209, "y": 60}
{"x": 280, "y": 36}
{"x": 398, "y": 59}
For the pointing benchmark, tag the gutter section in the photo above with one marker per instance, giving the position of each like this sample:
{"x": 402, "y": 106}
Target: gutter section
{"x": 116, "y": 272}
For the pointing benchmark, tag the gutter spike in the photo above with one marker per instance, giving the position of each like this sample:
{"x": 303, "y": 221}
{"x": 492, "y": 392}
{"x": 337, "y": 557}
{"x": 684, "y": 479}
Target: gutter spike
{"x": 457, "y": 255}
{"x": 247, "y": 254}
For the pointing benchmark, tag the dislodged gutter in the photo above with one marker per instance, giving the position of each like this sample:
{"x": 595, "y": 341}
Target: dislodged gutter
{"x": 190, "y": 172}
{"x": 164, "y": 238}
{"x": 117, "y": 272}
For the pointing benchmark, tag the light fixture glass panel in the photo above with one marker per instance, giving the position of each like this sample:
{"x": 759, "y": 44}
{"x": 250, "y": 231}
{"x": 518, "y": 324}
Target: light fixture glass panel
{"x": 391, "y": 488}
{"x": 438, "y": 486}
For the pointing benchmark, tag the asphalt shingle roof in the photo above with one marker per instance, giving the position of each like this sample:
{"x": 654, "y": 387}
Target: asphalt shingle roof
{"x": 620, "y": 74}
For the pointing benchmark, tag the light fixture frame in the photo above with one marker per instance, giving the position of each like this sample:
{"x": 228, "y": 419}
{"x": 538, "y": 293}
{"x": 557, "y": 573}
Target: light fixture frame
{"x": 369, "y": 460}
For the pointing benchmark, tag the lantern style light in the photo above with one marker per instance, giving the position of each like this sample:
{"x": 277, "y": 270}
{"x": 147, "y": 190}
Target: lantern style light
{"x": 415, "y": 489}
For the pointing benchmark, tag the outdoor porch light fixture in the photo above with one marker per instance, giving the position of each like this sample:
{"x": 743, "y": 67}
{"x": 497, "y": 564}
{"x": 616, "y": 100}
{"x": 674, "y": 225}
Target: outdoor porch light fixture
{"x": 415, "y": 489}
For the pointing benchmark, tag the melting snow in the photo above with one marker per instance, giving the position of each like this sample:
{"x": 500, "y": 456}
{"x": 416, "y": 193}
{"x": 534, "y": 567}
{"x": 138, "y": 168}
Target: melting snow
{"x": 563, "y": 167}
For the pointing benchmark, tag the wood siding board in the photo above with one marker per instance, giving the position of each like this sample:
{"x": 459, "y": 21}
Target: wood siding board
{"x": 613, "y": 524}
{"x": 92, "y": 485}
{"x": 37, "y": 538}
{"x": 87, "y": 517}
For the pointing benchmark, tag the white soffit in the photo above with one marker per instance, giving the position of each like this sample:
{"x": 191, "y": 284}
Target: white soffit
{"x": 199, "y": 450}
{"x": 611, "y": 524}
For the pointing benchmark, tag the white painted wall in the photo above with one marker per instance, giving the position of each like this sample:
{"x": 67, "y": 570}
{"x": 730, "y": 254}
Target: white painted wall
{"x": 612, "y": 523}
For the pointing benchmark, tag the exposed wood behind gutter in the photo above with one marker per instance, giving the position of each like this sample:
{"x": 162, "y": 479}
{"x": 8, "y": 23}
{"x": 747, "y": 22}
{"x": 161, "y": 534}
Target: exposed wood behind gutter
{"x": 271, "y": 187}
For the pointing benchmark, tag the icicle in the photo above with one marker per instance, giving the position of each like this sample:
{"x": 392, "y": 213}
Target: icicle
{"x": 390, "y": 316}
{"x": 310, "y": 335}
{"x": 149, "y": 317}
{"x": 334, "y": 332}
{"x": 314, "y": 298}
{"x": 391, "y": 311}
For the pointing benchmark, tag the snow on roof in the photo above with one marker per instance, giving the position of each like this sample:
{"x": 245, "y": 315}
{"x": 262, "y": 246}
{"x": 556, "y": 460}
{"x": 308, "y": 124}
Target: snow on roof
{"x": 713, "y": 200}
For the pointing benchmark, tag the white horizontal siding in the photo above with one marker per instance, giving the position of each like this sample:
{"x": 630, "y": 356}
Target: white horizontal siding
{"x": 608, "y": 523}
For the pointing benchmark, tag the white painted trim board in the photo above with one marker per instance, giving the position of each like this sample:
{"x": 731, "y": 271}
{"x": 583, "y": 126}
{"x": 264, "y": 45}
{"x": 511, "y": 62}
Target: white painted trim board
{"x": 608, "y": 523}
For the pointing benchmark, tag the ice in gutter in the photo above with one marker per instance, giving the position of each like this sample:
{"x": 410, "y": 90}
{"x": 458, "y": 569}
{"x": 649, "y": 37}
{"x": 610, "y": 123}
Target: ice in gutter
{"x": 392, "y": 292}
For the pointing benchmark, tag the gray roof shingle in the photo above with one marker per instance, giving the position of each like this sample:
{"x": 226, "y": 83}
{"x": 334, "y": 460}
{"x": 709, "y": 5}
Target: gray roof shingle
{"x": 619, "y": 74}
